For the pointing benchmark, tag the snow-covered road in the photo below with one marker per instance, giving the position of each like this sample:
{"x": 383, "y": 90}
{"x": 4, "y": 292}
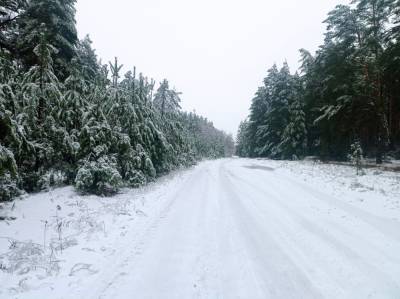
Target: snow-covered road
{"x": 233, "y": 228}
{"x": 236, "y": 229}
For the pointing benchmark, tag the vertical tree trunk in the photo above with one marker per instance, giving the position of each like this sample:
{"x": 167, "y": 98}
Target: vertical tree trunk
{"x": 41, "y": 103}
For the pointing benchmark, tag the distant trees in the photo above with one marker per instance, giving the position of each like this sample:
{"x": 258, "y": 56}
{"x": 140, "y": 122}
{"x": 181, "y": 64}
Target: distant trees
{"x": 242, "y": 140}
{"x": 348, "y": 91}
{"x": 67, "y": 119}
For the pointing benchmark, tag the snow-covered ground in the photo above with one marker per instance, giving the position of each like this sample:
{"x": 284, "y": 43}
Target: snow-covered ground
{"x": 233, "y": 228}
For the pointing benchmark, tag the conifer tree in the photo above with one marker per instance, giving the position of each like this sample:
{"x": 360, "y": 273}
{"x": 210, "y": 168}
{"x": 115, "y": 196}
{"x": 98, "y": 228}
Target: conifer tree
{"x": 349, "y": 89}
{"x": 57, "y": 18}
{"x": 258, "y": 109}
{"x": 166, "y": 100}
{"x": 294, "y": 138}
{"x": 356, "y": 156}
{"x": 242, "y": 142}
{"x": 88, "y": 60}
{"x": 11, "y": 12}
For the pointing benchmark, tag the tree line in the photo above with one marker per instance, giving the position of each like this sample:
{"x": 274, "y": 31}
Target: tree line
{"x": 346, "y": 94}
{"x": 66, "y": 118}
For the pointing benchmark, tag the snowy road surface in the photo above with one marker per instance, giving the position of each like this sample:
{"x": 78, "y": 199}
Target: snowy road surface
{"x": 235, "y": 229}
{"x": 238, "y": 228}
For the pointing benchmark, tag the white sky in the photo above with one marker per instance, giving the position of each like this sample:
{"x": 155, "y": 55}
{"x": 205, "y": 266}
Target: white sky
{"x": 214, "y": 51}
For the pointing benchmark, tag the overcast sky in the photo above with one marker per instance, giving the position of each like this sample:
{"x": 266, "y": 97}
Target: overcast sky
{"x": 214, "y": 51}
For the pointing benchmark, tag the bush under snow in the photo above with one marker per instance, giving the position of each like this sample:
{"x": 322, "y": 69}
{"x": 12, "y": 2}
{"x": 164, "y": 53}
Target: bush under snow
{"x": 99, "y": 177}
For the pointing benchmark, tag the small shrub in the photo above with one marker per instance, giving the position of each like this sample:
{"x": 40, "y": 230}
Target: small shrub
{"x": 136, "y": 178}
{"x": 99, "y": 177}
{"x": 8, "y": 187}
{"x": 52, "y": 178}
{"x": 356, "y": 156}
{"x": 8, "y": 175}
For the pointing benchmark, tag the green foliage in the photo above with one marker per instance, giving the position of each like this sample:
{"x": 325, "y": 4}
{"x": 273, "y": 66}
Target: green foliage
{"x": 166, "y": 100}
{"x": 276, "y": 126}
{"x": 294, "y": 138}
{"x": 348, "y": 90}
{"x": 242, "y": 142}
{"x": 57, "y": 19}
{"x": 63, "y": 121}
{"x": 8, "y": 175}
{"x": 99, "y": 177}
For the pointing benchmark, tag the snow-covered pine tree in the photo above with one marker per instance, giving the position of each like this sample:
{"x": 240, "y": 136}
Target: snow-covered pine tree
{"x": 98, "y": 172}
{"x": 11, "y": 12}
{"x": 8, "y": 175}
{"x": 294, "y": 137}
{"x": 242, "y": 140}
{"x": 87, "y": 59}
{"x": 279, "y": 89}
{"x": 40, "y": 80}
{"x": 356, "y": 156}
{"x": 166, "y": 100}
{"x": 10, "y": 140}
{"x": 41, "y": 98}
{"x": 57, "y": 18}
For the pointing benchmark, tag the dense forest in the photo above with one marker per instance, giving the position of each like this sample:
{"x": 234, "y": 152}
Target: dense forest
{"x": 345, "y": 96}
{"x": 66, "y": 118}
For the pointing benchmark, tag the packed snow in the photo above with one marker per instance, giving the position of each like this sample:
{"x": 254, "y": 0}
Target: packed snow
{"x": 230, "y": 228}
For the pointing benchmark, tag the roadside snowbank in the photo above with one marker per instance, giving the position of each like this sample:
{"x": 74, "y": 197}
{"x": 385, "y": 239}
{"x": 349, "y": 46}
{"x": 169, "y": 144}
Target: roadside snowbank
{"x": 60, "y": 238}
{"x": 376, "y": 190}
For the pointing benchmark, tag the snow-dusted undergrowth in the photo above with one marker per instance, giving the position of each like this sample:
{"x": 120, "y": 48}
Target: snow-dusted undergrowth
{"x": 377, "y": 190}
{"x": 54, "y": 239}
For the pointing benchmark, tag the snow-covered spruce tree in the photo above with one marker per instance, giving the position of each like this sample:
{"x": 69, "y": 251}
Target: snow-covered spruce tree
{"x": 87, "y": 59}
{"x": 282, "y": 91}
{"x": 40, "y": 81}
{"x": 258, "y": 109}
{"x": 242, "y": 140}
{"x": 130, "y": 115}
{"x": 72, "y": 110}
{"x": 356, "y": 156}
{"x": 73, "y": 104}
{"x": 11, "y": 12}
{"x": 41, "y": 98}
{"x": 270, "y": 113}
{"x": 98, "y": 171}
{"x": 294, "y": 138}
{"x": 11, "y": 138}
{"x": 267, "y": 136}
{"x": 166, "y": 100}
{"x": 8, "y": 175}
{"x": 167, "y": 105}
{"x": 57, "y": 18}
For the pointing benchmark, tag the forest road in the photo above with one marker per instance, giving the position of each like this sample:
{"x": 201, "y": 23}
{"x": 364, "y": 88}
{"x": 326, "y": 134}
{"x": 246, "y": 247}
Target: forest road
{"x": 238, "y": 229}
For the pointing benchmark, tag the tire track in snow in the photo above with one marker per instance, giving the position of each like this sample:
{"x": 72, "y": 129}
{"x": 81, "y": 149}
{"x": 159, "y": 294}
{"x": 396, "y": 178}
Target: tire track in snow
{"x": 280, "y": 276}
{"x": 231, "y": 232}
{"x": 275, "y": 198}
{"x": 136, "y": 244}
